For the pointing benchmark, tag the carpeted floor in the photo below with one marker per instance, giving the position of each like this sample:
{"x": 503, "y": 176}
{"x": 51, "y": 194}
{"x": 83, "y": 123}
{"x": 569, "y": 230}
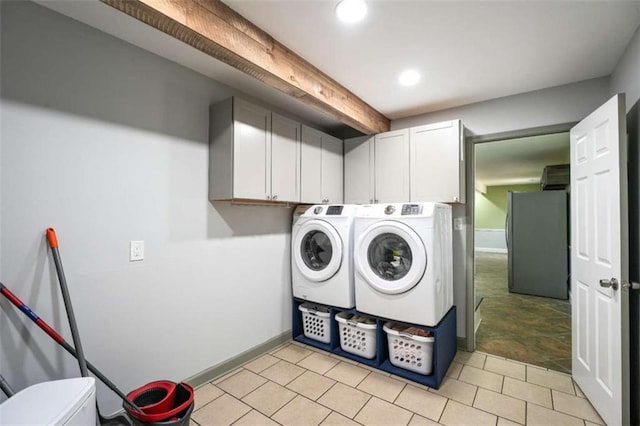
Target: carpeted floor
{"x": 531, "y": 329}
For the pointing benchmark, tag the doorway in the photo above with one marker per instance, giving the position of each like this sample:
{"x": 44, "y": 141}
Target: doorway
{"x": 528, "y": 323}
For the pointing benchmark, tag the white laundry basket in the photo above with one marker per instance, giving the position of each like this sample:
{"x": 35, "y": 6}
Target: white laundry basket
{"x": 316, "y": 322}
{"x": 409, "y": 350}
{"x": 357, "y": 334}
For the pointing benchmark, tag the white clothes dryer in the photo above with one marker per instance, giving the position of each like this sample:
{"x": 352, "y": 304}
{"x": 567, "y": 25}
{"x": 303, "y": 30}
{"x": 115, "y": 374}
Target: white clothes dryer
{"x": 321, "y": 255}
{"x": 403, "y": 258}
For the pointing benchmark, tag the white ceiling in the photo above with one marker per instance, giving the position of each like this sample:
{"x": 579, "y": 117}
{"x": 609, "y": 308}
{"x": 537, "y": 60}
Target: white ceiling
{"x": 519, "y": 161}
{"x": 466, "y": 51}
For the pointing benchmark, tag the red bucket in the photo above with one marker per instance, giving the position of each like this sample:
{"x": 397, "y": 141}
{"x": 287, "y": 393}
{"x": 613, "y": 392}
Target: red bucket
{"x": 178, "y": 397}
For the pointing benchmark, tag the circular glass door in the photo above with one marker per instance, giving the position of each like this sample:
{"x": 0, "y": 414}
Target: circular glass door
{"x": 317, "y": 250}
{"x": 391, "y": 257}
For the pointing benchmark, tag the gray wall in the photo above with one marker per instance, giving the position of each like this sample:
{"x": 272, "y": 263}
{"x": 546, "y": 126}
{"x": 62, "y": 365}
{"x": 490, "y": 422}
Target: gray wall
{"x": 556, "y": 105}
{"x": 626, "y": 76}
{"x": 108, "y": 143}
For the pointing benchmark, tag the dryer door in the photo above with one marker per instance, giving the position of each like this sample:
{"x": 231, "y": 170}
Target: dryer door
{"x": 317, "y": 250}
{"x": 391, "y": 257}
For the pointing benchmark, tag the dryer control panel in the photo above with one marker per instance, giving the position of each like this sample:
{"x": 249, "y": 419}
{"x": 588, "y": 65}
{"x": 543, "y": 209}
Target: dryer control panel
{"x": 411, "y": 209}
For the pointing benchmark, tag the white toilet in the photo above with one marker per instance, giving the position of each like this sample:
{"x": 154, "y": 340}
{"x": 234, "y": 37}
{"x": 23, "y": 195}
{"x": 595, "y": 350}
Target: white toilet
{"x": 61, "y": 402}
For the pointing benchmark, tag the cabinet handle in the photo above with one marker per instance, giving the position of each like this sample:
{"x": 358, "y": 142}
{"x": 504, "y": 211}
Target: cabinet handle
{"x": 375, "y": 201}
{"x": 275, "y": 197}
{"x": 268, "y": 197}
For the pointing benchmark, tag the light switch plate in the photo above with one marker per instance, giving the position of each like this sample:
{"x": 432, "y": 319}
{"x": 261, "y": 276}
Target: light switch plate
{"x": 136, "y": 251}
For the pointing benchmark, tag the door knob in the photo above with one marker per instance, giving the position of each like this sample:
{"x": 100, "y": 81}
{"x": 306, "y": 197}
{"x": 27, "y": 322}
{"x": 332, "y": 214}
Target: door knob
{"x": 630, "y": 285}
{"x": 613, "y": 283}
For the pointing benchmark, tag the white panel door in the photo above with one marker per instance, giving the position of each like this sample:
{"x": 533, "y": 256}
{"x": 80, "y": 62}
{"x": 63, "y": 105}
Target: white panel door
{"x": 392, "y": 167}
{"x": 311, "y": 166}
{"x": 332, "y": 182}
{"x": 251, "y": 151}
{"x": 358, "y": 170}
{"x": 436, "y": 160}
{"x": 599, "y": 255}
{"x": 285, "y": 159}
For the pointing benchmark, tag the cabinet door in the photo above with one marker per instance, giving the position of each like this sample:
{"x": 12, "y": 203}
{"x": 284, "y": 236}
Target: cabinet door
{"x": 311, "y": 166}
{"x": 358, "y": 170}
{"x": 251, "y": 151}
{"x": 285, "y": 159}
{"x": 332, "y": 183}
{"x": 437, "y": 167}
{"x": 392, "y": 167}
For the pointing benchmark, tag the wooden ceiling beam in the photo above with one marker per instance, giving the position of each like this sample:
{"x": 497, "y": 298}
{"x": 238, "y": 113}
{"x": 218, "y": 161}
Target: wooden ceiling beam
{"x": 217, "y": 30}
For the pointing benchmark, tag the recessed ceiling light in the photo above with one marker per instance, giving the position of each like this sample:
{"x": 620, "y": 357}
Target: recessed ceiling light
{"x": 351, "y": 11}
{"x": 409, "y": 78}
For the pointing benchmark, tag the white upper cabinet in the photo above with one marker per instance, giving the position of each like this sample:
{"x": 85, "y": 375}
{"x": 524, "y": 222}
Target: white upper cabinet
{"x": 253, "y": 154}
{"x": 391, "y": 159}
{"x": 321, "y": 167}
{"x": 359, "y": 170}
{"x": 285, "y": 159}
{"x": 437, "y": 162}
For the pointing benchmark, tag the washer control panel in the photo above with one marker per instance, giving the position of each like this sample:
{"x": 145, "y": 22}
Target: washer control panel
{"x": 334, "y": 210}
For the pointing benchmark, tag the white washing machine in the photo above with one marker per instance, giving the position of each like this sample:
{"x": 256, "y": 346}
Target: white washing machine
{"x": 403, "y": 257}
{"x": 321, "y": 254}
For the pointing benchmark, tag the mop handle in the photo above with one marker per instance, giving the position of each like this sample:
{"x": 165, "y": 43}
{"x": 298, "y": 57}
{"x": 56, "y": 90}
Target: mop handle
{"x": 60, "y": 340}
{"x": 64, "y": 289}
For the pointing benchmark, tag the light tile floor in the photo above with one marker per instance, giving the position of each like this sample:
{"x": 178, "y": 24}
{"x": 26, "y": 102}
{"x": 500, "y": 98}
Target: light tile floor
{"x": 297, "y": 385}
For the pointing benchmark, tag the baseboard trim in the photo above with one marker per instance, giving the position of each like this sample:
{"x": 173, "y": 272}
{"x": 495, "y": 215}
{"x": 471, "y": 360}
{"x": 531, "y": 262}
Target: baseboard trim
{"x": 232, "y": 363}
{"x": 491, "y": 250}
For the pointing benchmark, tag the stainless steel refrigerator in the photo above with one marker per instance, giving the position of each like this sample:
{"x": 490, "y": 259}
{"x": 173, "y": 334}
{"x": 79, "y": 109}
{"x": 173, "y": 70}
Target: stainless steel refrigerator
{"x": 538, "y": 243}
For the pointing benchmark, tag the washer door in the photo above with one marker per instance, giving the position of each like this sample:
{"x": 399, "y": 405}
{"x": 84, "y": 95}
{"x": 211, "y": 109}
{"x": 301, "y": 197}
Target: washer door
{"x": 391, "y": 257}
{"x": 317, "y": 249}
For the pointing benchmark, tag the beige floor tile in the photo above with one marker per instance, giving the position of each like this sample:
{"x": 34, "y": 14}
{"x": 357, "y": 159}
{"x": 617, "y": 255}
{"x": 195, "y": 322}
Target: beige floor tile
{"x": 259, "y": 364}
{"x": 588, "y": 423}
{"x": 527, "y": 392}
{"x": 578, "y": 390}
{"x": 253, "y": 418}
{"x": 474, "y": 359}
{"x": 344, "y": 399}
{"x": 457, "y": 390}
{"x": 343, "y": 359}
{"x": 417, "y": 420}
{"x": 427, "y": 404}
{"x": 335, "y": 419}
{"x": 374, "y": 369}
{"x": 319, "y": 363}
{"x": 226, "y": 376}
{"x": 301, "y": 411}
{"x": 481, "y": 378}
{"x": 222, "y": 411}
{"x": 505, "y": 367}
{"x": 269, "y": 398}
{"x": 505, "y": 422}
{"x": 282, "y": 372}
{"x": 205, "y": 394}
{"x": 410, "y": 382}
{"x": 454, "y": 370}
{"x": 241, "y": 383}
{"x": 383, "y": 387}
{"x": 551, "y": 379}
{"x": 310, "y": 384}
{"x": 293, "y": 353}
{"x": 456, "y": 414}
{"x": 379, "y": 412}
{"x": 540, "y": 416}
{"x": 349, "y": 374}
{"x": 501, "y": 405}
{"x": 575, "y": 406}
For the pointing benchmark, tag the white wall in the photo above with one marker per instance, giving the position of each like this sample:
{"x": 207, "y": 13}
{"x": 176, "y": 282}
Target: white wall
{"x": 108, "y": 143}
{"x": 556, "y": 105}
{"x": 626, "y": 76}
